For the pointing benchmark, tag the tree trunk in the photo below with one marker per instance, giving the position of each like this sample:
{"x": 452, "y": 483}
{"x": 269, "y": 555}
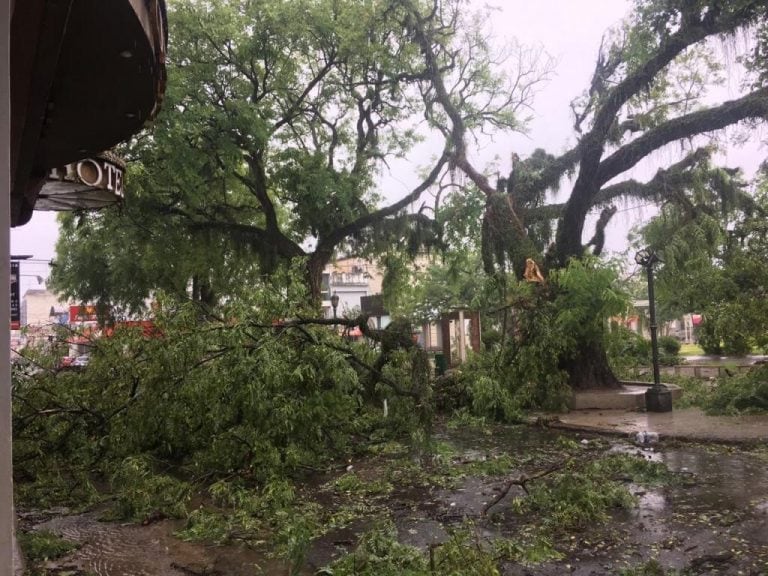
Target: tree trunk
{"x": 316, "y": 263}
{"x": 590, "y": 369}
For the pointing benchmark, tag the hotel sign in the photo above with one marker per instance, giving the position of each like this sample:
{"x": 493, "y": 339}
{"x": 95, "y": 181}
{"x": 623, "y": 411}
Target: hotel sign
{"x": 87, "y": 184}
{"x": 94, "y": 173}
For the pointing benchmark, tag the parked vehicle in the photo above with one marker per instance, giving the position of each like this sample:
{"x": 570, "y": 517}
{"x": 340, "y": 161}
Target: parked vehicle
{"x": 81, "y": 361}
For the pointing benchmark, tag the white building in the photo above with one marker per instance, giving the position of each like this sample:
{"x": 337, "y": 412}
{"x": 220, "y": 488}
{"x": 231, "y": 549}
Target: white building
{"x": 349, "y": 279}
{"x": 35, "y": 318}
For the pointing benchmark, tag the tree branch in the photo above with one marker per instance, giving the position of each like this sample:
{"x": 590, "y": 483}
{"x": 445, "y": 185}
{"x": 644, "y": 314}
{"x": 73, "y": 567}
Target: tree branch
{"x": 339, "y": 234}
{"x": 753, "y": 105}
{"x": 521, "y": 481}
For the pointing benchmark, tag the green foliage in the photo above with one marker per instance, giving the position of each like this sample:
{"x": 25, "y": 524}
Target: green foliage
{"x": 214, "y": 398}
{"x": 380, "y": 554}
{"x": 581, "y": 495}
{"x": 463, "y": 418}
{"x": 554, "y": 324}
{"x": 294, "y": 530}
{"x": 695, "y": 391}
{"x": 550, "y": 326}
{"x": 465, "y": 554}
{"x": 575, "y": 501}
{"x": 42, "y": 545}
{"x": 627, "y": 349}
{"x": 743, "y": 394}
{"x": 637, "y": 469}
{"x": 724, "y": 330}
{"x": 241, "y": 513}
{"x": 708, "y": 338}
{"x": 351, "y": 483}
{"x": 490, "y": 399}
{"x": 669, "y": 345}
{"x": 216, "y": 528}
{"x": 584, "y": 495}
{"x": 141, "y": 494}
{"x": 712, "y": 240}
{"x": 257, "y": 149}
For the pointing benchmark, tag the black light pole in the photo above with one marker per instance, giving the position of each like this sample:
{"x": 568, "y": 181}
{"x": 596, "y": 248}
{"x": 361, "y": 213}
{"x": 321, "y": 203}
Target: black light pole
{"x": 334, "y": 303}
{"x": 658, "y": 398}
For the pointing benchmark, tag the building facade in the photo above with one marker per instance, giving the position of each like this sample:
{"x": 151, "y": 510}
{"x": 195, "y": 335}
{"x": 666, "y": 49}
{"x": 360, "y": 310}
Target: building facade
{"x": 350, "y": 279}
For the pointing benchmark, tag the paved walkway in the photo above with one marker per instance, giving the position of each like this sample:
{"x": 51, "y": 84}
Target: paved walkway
{"x": 688, "y": 424}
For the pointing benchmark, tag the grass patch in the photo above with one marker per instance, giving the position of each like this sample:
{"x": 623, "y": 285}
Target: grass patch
{"x": 43, "y": 545}
{"x": 691, "y": 350}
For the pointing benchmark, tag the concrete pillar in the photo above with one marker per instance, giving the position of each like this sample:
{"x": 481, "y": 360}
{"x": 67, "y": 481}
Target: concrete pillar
{"x": 462, "y": 333}
{"x": 445, "y": 330}
{"x": 6, "y": 463}
{"x": 474, "y": 334}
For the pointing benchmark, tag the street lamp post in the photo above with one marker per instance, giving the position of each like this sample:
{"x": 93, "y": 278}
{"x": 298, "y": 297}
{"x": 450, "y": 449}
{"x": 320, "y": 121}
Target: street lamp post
{"x": 658, "y": 398}
{"x": 334, "y": 303}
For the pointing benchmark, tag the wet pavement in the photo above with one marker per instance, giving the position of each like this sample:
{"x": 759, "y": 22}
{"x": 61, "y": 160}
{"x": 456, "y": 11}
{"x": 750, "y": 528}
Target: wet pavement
{"x": 685, "y": 424}
{"x": 125, "y": 549}
{"x": 712, "y": 520}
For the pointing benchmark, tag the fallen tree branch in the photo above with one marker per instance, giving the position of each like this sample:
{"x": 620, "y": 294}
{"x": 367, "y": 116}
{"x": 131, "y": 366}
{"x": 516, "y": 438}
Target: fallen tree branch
{"x": 521, "y": 481}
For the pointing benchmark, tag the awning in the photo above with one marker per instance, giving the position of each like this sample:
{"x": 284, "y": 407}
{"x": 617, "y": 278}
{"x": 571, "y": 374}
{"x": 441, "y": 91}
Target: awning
{"x": 696, "y": 319}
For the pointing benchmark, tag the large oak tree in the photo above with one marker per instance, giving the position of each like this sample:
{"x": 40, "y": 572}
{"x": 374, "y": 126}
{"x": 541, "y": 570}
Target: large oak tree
{"x": 278, "y": 120}
{"x": 280, "y": 115}
{"x": 651, "y": 88}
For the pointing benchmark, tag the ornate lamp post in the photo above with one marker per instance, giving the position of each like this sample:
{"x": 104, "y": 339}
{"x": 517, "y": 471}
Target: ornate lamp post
{"x": 657, "y": 398}
{"x": 334, "y": 303}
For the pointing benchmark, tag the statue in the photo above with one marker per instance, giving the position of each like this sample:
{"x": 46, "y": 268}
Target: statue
{"x": 532, "y": 272}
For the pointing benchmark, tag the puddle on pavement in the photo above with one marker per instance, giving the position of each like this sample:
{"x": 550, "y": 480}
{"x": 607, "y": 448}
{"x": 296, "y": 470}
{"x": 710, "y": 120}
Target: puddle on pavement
{"x": 715, "y": 519}
{"x": 112, "y": 549}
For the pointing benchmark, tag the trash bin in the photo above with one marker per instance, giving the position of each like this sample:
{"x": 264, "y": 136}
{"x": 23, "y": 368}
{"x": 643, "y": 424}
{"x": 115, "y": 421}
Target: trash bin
{"x": 440, "y": 364}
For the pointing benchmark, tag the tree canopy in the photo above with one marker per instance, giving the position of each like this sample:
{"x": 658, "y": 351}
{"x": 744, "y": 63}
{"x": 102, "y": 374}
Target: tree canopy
{"x": 712, "y": 241}
{"x": 652, "y": 86}
{"x": 280, "y": 116}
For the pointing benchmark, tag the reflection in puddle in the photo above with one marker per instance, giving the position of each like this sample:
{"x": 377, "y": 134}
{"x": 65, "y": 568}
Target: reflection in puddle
{"x": 111, "y": 549}
{"x": 651, "y": 500}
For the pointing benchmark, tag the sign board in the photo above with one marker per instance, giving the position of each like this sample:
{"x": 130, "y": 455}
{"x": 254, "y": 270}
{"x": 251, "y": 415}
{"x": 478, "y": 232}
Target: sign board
{"x": 373, "y": 305}
{"x": 88, "y": 184}
{"x": 83, "y": 314}
{"x": 15, "y": 299}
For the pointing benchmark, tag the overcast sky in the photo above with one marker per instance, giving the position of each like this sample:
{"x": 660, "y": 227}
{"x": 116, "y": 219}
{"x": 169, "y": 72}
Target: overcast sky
{"x": 569, "y": 31}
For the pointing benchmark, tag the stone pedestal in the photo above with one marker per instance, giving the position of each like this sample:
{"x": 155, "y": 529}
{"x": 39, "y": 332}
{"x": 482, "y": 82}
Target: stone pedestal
{"x": 658, "y": 399}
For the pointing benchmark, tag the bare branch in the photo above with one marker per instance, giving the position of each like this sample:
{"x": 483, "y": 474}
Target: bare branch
{"x": 753, "y": 105}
